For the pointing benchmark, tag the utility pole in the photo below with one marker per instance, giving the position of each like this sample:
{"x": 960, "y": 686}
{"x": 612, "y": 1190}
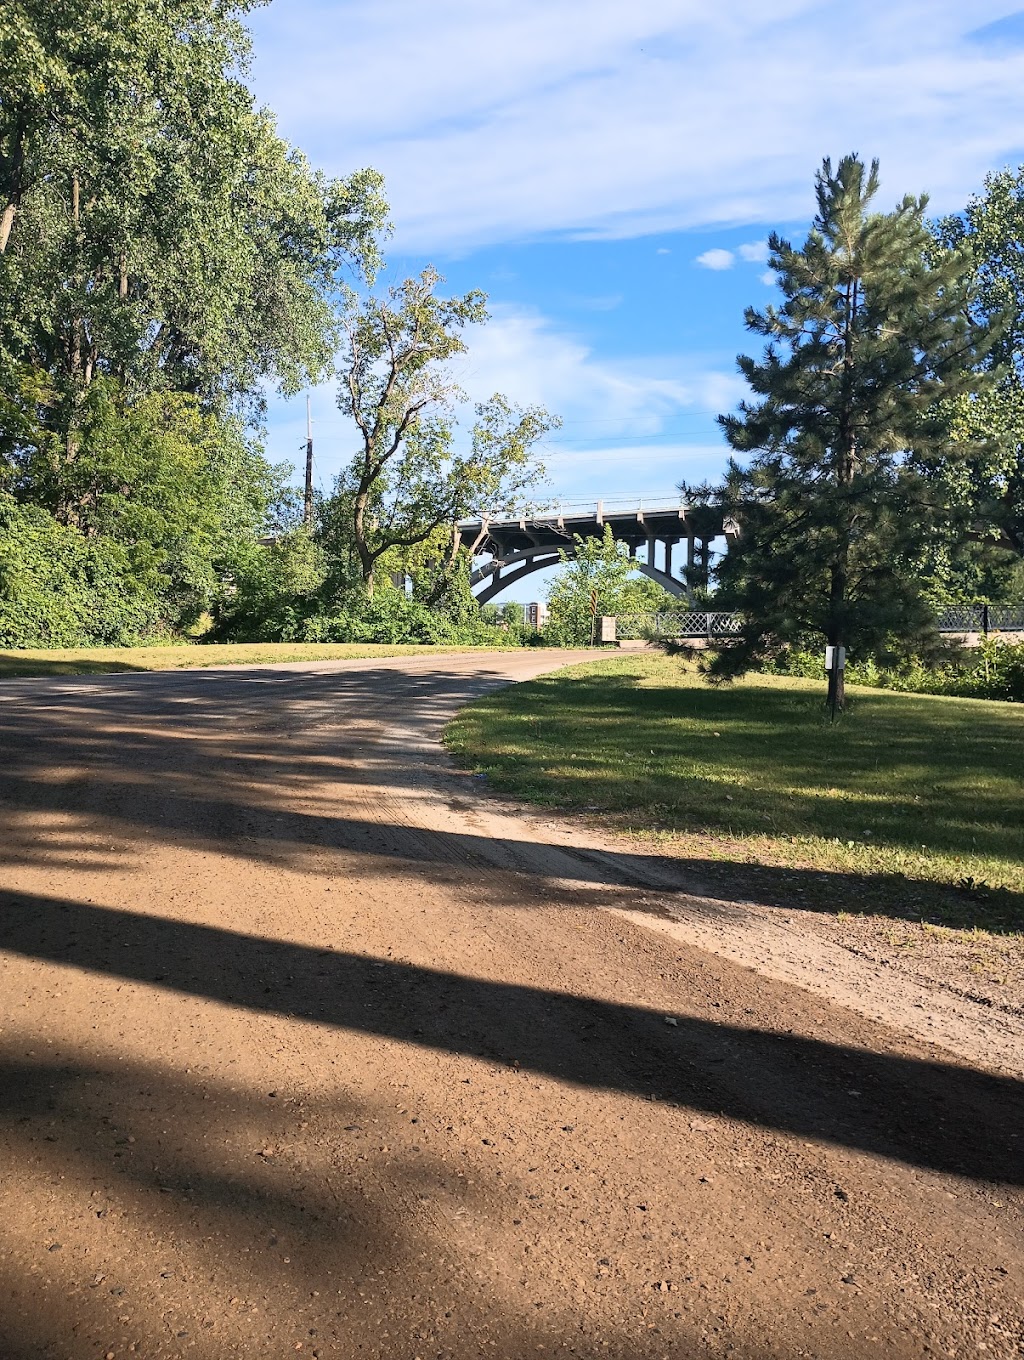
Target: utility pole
{"x": 307, "y": 504}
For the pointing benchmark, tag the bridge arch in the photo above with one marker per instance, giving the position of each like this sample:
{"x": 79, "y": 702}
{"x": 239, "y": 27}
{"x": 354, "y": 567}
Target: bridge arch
{"x": 531, "y": 543}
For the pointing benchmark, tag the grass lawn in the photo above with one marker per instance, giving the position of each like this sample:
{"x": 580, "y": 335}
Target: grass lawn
{"x": 912, "y": 805}
{"x": 90, "y": 660}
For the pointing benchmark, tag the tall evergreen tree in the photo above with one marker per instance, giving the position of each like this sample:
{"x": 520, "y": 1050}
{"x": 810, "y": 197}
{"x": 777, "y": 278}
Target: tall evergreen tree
{"x": 871, "y": 344}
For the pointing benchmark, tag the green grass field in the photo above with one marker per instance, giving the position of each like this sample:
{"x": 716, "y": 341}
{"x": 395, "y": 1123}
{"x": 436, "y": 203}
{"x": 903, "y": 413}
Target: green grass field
{"x": 912, "y": 805}
{"x": 90, "y": 660}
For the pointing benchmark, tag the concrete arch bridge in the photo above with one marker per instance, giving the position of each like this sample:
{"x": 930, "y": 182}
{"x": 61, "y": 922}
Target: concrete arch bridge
{"x": 674, "y": 540}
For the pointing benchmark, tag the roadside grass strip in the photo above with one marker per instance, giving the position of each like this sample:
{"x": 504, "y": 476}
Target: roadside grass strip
{"x": 188, "y": 656}
{"x": 911, "y": 805}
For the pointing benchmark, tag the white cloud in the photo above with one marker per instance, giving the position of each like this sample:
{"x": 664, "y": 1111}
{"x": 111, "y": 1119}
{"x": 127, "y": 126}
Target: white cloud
{"x": 629, "y": 472}
{"x": 522, "y": 353}
{"x": 589, "y": 117}
{"x": 769, "y": 278}
{"x": 716, "y": 259}
{"x": 620, "y": 415}
{"x": 663, "y": 250}
{"x": 754, "y": 251}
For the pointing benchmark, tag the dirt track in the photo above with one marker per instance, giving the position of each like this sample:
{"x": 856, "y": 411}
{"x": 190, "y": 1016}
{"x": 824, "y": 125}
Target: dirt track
{"x": 299, "y": 1056}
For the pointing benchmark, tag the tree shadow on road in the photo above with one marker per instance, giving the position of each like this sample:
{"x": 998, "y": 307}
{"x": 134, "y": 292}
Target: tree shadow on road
{"x": 236, "y": 762}
{"x": 200, "y": 1220}
{"x": 929, "y": 1114}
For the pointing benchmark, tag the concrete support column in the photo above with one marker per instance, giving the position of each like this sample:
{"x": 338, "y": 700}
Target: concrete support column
{"x": 689, "y": 568}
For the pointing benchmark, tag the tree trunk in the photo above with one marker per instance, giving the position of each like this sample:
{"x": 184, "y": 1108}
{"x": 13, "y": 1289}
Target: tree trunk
{"x": 366, "y": 558}
{"x": 836, "y": 689}
{"x": 846, "y": 462}
{"x": 15, "y": 188}
{"x": 6, "y": 223}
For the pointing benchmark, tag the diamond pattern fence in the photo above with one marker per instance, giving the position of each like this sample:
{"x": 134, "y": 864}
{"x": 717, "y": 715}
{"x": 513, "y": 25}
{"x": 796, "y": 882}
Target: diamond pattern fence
{"x": 982, "y": 618}
{"x": 973, "y": 618}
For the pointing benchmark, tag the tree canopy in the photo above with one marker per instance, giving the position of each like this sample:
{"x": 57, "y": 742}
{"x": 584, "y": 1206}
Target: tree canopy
{"x": 599, "y": 577}
{"x": 872, "y": 343}
{"x": 409, "y": 478}
{"x": 164, "y": 258}
{"x": 989, "y": 484}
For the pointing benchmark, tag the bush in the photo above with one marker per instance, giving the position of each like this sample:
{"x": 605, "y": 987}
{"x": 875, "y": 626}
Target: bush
{"x": 273, "y": 590}
{"x": 59, "y": 588}
{"x": 993, "y": 670}
{"x": 391, "y": 617}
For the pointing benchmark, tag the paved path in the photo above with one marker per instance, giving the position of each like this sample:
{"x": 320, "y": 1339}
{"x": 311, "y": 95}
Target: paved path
{"x": 306, "y": 1050}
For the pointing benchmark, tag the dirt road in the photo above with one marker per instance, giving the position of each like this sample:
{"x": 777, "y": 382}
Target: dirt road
{"x": 300, "y": 1056}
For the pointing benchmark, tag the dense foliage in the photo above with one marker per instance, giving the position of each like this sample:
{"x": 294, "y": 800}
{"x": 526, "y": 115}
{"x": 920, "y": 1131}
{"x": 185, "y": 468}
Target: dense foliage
{"x": 988, "y": 486}
{"x": 993, "y": 670}
{"x": 61, "y": 589}
{"x": 164, "y": 256}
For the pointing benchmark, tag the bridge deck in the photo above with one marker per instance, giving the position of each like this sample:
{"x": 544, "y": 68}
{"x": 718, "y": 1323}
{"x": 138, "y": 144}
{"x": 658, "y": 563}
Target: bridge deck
{"x": 635, "y": 524}
{"x": 534, "y": 541}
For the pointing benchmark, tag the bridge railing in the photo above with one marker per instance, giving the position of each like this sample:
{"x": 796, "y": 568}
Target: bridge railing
{"x": 710, "y": 624}
{"x": 555, "y": 510}
{"x": 982, "y": 618}
{"x": 692, "y": 623}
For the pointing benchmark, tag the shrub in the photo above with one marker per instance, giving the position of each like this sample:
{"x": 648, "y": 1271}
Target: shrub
{"x": 391, "y": 617}
{"x": 59, "y": 588}
{"x": 993, "y": 670}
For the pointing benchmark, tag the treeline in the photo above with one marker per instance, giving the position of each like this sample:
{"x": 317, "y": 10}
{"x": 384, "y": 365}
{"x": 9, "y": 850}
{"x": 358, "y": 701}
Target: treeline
{"x": 166, "y": 259}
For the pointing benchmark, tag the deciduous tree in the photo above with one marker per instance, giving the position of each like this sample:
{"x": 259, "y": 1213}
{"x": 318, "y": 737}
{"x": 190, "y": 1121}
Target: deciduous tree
{"x": 599, "y": 578}
{"x": 154, "y": 228}
{"x": 409, "y": 477}
{"x": 990, "y": 483}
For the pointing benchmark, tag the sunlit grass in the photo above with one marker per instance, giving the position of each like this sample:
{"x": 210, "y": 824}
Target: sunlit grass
{"x": 912, "y": 804}
{"x": 89, "y": 660}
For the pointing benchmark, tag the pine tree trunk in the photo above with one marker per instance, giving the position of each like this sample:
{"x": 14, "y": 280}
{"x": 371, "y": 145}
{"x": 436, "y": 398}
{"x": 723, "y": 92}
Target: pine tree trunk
{"x": 846, "y": 458}
{"x": 836, "y": 689}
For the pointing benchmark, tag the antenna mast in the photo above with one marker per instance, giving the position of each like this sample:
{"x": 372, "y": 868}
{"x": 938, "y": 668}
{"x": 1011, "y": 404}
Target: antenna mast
{"x": 307, "y": 504}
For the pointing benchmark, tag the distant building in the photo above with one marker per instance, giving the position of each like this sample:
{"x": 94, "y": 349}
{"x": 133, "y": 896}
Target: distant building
{"x": 536, "y": 616}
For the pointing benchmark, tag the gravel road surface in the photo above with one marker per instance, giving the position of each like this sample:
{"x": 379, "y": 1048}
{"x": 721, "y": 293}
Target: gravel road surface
{"x": 308, "y": 1046}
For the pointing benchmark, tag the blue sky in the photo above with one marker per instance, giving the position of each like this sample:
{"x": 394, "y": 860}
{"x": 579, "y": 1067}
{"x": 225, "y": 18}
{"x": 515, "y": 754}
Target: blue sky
{"x": 607, "y": 171}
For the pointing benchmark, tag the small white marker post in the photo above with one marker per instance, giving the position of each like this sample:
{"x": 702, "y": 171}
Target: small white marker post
{"x": 835, "y": 660}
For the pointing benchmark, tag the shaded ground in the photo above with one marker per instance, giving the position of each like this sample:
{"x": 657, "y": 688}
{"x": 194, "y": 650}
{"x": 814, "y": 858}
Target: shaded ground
{"x": 306, "y": 1049}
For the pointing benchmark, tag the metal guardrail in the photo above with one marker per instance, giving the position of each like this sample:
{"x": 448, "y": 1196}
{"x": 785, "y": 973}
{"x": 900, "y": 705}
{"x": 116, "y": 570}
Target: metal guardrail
{"x": 555, "y": 510}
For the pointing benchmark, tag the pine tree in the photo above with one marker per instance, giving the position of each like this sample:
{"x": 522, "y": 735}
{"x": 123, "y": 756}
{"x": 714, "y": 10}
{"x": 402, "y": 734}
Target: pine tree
{"x": 872, "y": 342}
